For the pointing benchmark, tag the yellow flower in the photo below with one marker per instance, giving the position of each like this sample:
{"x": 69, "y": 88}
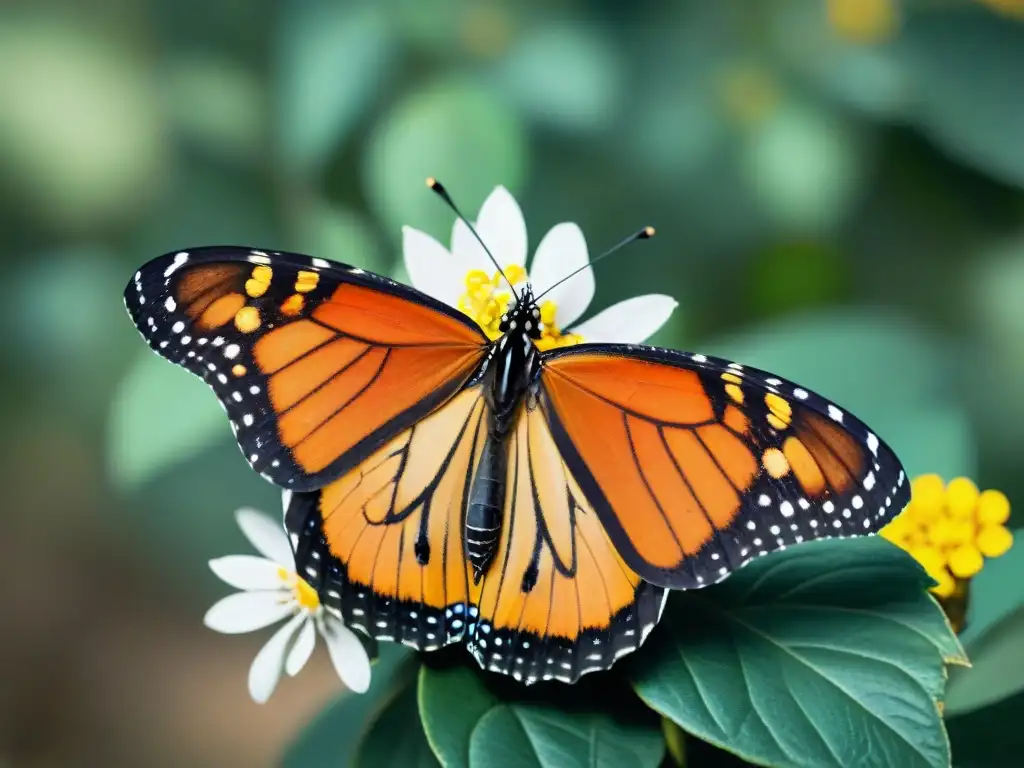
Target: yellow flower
{"x": 1008, "y": 7}
{"x": 863, "y": 21}
{"x": 950, "y": 529}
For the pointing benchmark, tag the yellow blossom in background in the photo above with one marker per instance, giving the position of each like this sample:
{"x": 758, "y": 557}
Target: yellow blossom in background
{"x": 1007, "y": 7}
{"x": 950, "y": 528}
{"x": 864, "y": 21}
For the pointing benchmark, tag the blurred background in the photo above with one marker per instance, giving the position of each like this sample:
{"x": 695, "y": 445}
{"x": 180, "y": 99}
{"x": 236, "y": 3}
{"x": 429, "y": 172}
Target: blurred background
{"x": 838, "y": 187}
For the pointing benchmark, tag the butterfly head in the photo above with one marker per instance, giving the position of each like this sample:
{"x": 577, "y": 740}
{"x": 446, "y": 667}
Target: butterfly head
{"x": 523, "y": 315}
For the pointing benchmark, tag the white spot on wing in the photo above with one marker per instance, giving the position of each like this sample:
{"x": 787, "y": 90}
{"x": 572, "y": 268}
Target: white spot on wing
{"x": 179, "y": 259}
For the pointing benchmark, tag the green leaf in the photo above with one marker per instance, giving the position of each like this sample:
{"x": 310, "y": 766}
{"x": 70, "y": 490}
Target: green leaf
{"x": 469, "y": 723}
{"x": 828, "y": 655}
{"x": 396, "y": 737}
{"x": 454, "y": 130}
{"x": 997, "y": 667}
{"x": 528, "y": 736}
{"x": 161, "y": 415}
{"x": 452, "y": 702}
{"x": 340, "y": 234}
{"x": 333, "y": 737}
{"x": 566, "y": 76}
{"x": 958, "y": 60}
{"x": 805, "y": 167}
{"x": 334, "y": 60}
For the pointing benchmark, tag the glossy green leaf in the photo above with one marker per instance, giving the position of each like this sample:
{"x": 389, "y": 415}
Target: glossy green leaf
{"x": 831, "y": 654}
{"x": 161, "y": 415}
{"x": 335, "y": 59}
{"x": 333, "y": 738}
{"x": 958, "y": 61}
{"x": 454, "y": 130}
{"x": 452, "y": 703}
{"x": 512, "y": 735}
{"x": 471, "y": 725}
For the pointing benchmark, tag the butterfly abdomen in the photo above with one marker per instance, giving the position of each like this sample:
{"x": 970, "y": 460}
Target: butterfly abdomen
{"x": 486, "y": 500}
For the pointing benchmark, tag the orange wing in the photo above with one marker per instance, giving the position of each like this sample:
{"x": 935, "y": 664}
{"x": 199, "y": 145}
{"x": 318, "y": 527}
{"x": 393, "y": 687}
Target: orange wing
{"x": 558, "y": 601}
{"x": 383, "y": 544}
{"x": 696, "y": 465}
{"x": 317, "y": 364}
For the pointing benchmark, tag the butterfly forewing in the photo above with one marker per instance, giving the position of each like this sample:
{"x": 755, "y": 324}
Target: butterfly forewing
{"x": 317, "y": 364}
{"x": 696, "y": 465}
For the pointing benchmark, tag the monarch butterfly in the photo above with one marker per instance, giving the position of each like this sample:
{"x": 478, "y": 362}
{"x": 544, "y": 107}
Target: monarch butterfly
{"x": 441, "y": 487}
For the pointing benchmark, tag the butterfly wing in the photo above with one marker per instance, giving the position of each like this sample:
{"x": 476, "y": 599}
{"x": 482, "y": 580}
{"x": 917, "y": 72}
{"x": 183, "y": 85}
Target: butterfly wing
{"x": 558, "y": 601}
{"x": 696, "y": 465}
{"x": 383, "y": 544}
{"x": 317, "y": 364}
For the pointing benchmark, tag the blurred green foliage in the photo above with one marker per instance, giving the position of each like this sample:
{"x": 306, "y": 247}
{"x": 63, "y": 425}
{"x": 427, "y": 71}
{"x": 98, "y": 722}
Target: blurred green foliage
{"x": 838, "y": 189}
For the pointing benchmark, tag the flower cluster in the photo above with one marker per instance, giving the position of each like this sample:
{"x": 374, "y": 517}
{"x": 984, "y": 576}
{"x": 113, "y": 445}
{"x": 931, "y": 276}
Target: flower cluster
{"x": 950, "y": 529}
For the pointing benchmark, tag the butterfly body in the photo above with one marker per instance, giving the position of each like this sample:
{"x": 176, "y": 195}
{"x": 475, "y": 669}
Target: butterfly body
{"x": 536, "y": 506}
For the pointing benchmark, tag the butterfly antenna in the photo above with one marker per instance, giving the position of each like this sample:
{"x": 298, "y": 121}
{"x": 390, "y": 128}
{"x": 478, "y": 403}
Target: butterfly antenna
{"x": 436, "y": 186}
{"x": 643, "y": 234}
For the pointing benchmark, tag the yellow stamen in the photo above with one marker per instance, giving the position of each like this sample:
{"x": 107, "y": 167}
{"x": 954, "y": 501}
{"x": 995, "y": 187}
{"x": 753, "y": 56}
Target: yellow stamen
{"x": 304, "y": 595}
{"x": 485, "y": 303}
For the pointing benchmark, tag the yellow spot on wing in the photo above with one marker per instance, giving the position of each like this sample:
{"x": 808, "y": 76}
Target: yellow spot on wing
{"x": 247, "y": 319}
{"x": 781, "y": 411}
{"x": 775, "y": 463}
{"x": 259, "y": 281}
{"x": 238, "y": 370}
{"x": 734, "y": 391}
{"x": 306, "y": 281}
{"x": 732, "y": 378}
{"x": 292, "y": 305}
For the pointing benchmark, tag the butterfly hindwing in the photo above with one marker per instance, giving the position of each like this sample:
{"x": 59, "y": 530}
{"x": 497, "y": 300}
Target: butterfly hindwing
{"x": 558, "y": 600}
{"x": 317, "y": 364}
{"x": 696, "y": 465}
{"x": 383, "y": 544}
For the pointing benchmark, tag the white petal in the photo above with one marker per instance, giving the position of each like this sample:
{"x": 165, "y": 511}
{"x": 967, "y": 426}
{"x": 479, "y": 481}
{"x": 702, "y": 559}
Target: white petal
{"x": 562, "y": 251}
{"x": 301, "y": 650}
{"x": 248, "y": 572}
{"x": 267, "y": 536}
{"x": 286, "y": 500}
{"x": 347, "y": 654}
{"x": 501, "y": 226}
{"x": 629, "y": 322}
{"x": 266, "y": 667}
{"x": 247, "y": 611}
{"x": 431, "y": 268}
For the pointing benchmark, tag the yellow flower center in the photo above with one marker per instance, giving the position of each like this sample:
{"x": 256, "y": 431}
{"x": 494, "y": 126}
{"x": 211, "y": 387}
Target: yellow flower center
{"x": 950, "y": 529}
{"x": 485, "y": 303}
{"x": 304, "y": 595}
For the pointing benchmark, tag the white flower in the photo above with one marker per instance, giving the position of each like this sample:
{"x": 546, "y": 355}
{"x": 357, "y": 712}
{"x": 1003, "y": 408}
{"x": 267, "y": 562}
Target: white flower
{"x": 272, "y": 591}
{"x": 466, "y": 278}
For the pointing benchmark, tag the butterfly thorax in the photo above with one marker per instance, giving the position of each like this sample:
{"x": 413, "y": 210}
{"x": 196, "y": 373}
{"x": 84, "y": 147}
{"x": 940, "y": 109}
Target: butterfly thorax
{"x": 512, "y": 369}
{"x": 515, "y": 361}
